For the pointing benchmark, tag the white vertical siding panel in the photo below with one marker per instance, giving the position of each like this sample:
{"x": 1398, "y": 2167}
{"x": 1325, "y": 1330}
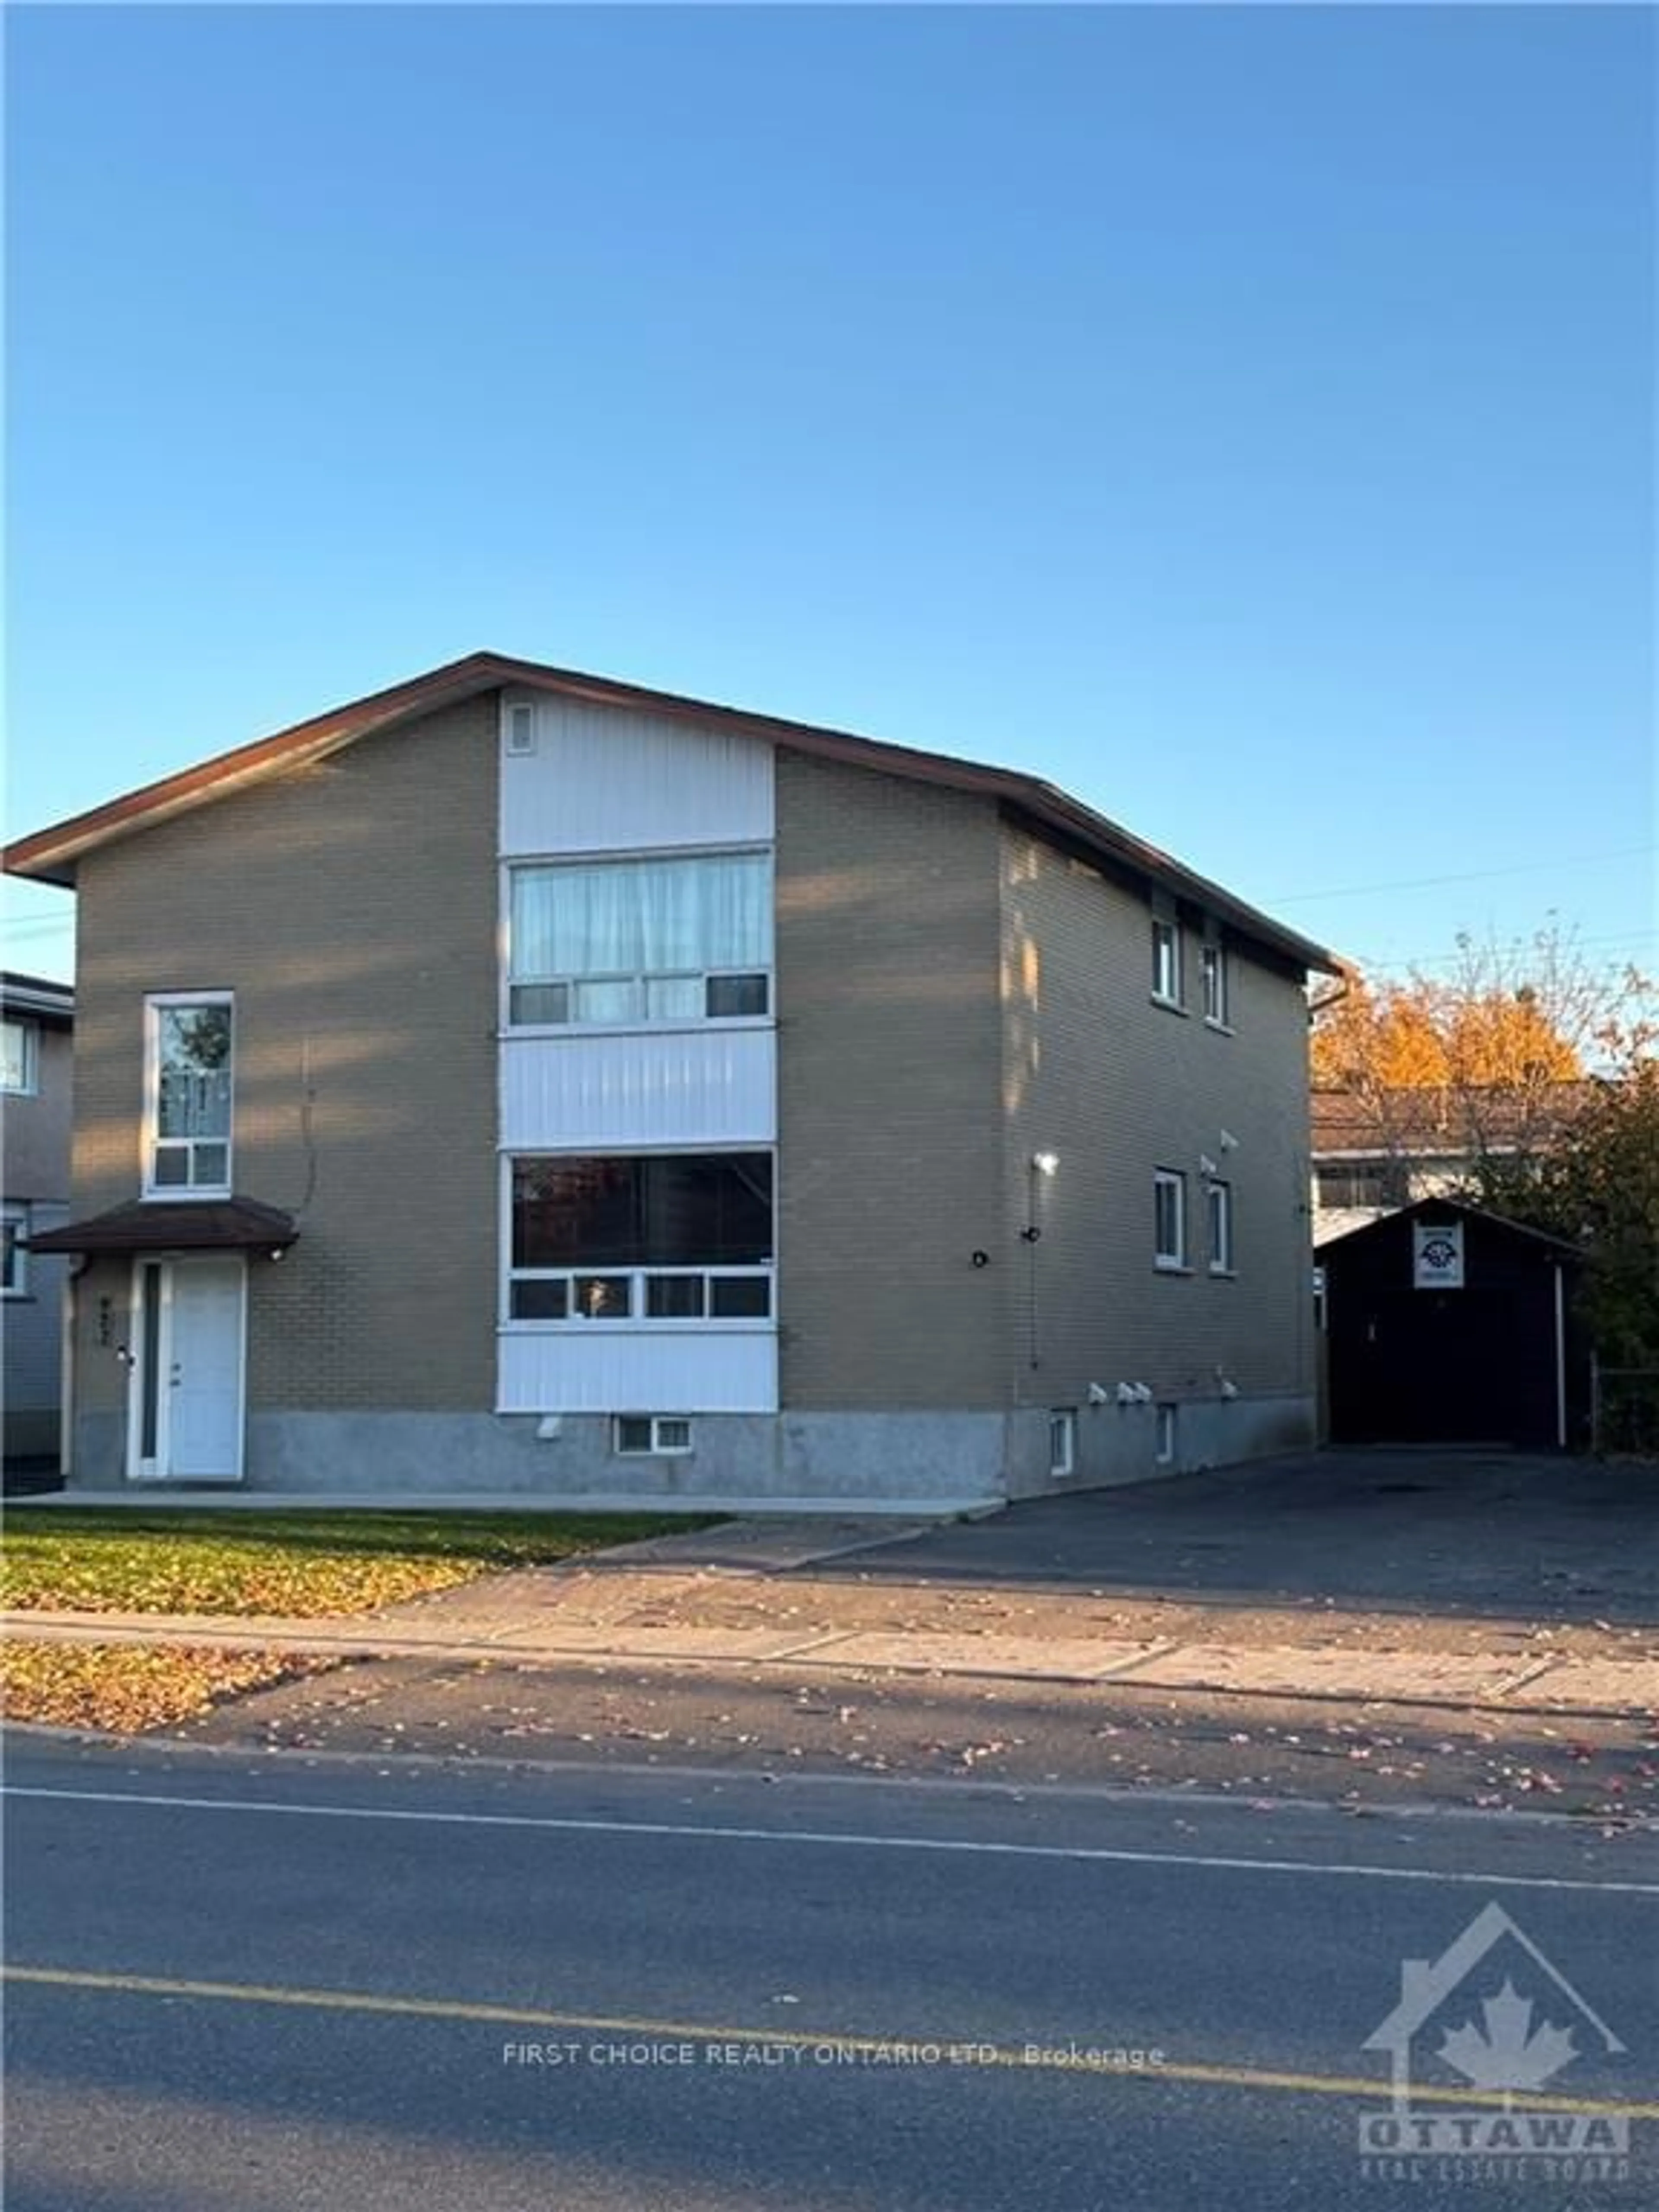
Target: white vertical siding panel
{"x": 648, "y": 1087}
{"x": 733, "y": 1372}
{"x": 607, "y": 779}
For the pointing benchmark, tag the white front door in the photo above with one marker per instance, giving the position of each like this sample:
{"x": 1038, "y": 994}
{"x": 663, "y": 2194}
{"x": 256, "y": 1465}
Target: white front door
{"x": 187, "y": 1371}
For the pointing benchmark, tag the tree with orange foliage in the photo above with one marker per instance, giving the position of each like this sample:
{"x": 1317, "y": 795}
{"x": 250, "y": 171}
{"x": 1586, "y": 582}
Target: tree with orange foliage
{"x": 1495, "y": 1054}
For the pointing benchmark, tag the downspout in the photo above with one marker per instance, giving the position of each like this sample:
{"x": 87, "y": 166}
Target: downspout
{"x": 1560, "y": 1362}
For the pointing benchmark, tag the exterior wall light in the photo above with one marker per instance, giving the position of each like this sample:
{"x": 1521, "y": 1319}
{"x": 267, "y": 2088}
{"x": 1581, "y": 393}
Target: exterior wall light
{"x": 1044, "y": 1163}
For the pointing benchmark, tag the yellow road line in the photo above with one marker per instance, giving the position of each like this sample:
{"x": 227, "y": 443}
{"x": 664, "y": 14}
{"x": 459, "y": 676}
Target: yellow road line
{"x": 1053, "y": 2058}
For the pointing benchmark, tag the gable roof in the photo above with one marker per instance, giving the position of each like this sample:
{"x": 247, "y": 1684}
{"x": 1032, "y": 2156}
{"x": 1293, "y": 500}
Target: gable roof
{"x": 1436, "y": 1206}
{"x": 52, "y": 856}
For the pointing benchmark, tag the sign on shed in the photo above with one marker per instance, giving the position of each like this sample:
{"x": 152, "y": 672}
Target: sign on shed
{"x": 1438, "y": 1255}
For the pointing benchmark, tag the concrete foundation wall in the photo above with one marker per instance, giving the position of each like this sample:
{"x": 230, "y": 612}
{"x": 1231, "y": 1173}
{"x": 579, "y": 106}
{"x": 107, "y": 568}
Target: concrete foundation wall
{"x": 932, "y": 1461}
{"x": 1117, "y": 1444}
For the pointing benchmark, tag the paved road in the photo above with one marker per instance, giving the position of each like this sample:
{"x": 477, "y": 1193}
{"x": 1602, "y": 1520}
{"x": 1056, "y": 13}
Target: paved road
{"x": 239, "y": 1983}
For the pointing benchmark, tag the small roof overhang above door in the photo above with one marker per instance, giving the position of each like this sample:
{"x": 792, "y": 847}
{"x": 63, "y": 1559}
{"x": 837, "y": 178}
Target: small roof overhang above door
{"x": 212, "y": 1224}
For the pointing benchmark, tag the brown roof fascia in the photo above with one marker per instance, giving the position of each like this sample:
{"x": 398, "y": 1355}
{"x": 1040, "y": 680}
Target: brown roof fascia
{"x": 51, "y": 854}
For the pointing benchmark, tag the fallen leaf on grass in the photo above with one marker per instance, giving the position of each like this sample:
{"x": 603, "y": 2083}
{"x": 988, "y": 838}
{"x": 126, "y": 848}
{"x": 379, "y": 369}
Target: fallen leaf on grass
{"x": 126, "y": 1688}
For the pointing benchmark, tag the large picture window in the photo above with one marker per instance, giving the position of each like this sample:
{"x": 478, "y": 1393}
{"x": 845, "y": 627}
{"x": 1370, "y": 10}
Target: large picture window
{"x": 661, "y": 1237}
{"x": 686, "y": 938}
{"x": 191, "y": 1075}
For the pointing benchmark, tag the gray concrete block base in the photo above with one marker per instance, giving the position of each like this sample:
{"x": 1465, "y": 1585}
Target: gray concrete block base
{"x": 926, "y": 1463}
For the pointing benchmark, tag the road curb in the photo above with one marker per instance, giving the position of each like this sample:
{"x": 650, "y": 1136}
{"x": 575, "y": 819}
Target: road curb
{"x": 1176, "y": 1670}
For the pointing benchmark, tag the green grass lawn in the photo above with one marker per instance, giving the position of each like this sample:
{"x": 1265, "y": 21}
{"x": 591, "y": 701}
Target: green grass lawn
{"x": 311, "y": 1563}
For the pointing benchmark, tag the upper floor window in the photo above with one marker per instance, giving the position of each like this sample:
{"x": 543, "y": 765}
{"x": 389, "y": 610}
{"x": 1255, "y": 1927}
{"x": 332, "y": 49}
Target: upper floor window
{"x": 1213, "y": 968}
{"x": 1170, "y": 1218}
{"x": 18, "y": 1061}
{"x": 1218, "y": 1206}
{"x": 1358, "y": 1182}
{"x": 679, "y": 939}
{"x": 1166, "y": 960}
{"x": 189, "y": 1083}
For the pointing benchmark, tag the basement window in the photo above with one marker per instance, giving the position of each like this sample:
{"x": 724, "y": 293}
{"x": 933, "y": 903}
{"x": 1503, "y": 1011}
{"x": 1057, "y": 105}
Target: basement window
{"x": 660, "y": 1436}
{"x": 1062, "y": 1441}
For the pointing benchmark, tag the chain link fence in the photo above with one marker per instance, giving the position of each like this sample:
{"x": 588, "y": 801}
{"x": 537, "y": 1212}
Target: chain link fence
{"x": 1625, "y": 1410}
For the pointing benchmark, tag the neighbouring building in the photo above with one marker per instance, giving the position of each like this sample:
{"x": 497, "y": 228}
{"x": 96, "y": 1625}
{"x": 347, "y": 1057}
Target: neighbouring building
{"x": 521, "y": 1081}
{"x": 38, "y": 1018}
{"x": 1375, "y": 1152}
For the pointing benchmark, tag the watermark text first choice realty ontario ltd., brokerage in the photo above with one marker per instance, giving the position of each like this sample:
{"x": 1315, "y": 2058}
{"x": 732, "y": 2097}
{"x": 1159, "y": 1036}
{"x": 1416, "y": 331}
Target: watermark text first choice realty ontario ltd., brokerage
{"x": 801, "y": 2053}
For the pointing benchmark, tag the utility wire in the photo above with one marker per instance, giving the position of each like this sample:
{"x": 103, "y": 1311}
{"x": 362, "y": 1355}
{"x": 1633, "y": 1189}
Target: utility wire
{"x": 1472, "y": 876}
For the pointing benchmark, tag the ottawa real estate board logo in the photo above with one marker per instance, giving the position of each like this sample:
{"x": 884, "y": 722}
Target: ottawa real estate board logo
{"x": 1491, "y": 2015}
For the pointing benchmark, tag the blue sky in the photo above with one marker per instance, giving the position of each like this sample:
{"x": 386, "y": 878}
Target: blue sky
{"x": 1243, "y": 417}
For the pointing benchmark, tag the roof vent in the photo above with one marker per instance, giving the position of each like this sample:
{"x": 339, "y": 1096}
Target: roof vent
{"x": 521, "y": 730}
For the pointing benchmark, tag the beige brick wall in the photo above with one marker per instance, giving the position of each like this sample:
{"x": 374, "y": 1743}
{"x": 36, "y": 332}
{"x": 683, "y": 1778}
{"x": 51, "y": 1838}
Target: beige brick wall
{"x": 890, "y": 1060}
{"x": 102, "y": 1291}
{"x": 1117, "y": 1086}
{"x": 352, "y": 909}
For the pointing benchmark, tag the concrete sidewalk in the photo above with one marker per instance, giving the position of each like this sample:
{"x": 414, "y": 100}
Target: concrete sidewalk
{"x": 786, "y": 1594}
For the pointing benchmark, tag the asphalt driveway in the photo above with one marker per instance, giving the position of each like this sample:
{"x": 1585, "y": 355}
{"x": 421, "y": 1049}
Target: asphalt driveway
{"x": 1574, "y": 1539}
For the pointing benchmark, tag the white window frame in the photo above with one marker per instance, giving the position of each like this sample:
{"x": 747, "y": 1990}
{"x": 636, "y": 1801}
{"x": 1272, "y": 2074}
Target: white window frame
{"x": 1169, "y": 1262}
{"x": 637, "y": 1316}
{"x": 155, "y": 1004}
{"x": 636, "y": 1320}
{"x": 1164, "y": 1435}
{"x": 526, "y": 863}
{"x": 1062, "y": 1441}
{"x": 1218, "y": 1224}
{"x": 1216, "y": 984}
{"x": 14, "y": 1283}
{"x": 28, "y": 1083}
{"x": 658, "y": 1447}
{"x": 1166, "y": 961}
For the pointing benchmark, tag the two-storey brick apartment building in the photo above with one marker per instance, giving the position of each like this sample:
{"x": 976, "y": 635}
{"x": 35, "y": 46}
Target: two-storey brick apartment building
{"x": 521, "y": 1081}
{"x": 37, "y": 1016}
